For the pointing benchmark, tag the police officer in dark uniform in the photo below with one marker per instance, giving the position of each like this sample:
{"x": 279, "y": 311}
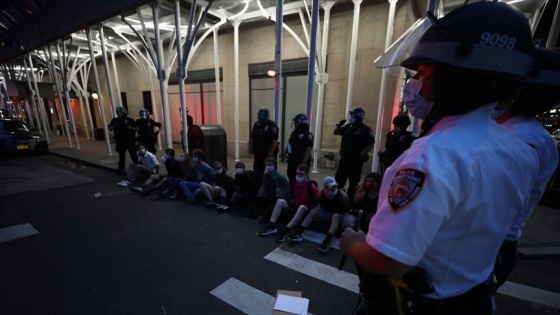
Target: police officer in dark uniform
{"x": 146, "y": 130}
{"x": 124, "y": 129}
{"x": 264, "y": 140}
{"x": 299, "y": 146}
{"x": 357, "y": 141}
{"x": 190, "y": 122}
{"x": 398, "y": 140}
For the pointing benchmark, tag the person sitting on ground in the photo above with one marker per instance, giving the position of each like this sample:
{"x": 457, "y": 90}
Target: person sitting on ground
{"x": 274, "y": 186}
{"x": 333, "y": 203}
{"x": 305, "y": 196}
{"x": 364, "y": 199}
{"x": 247, "y": 184}
{"x": 173, "y": 168}
{"x": 222, "y": 190}
{"x": 140, "y": 172}
{"x": 203, "y": 172}
{"x": 169, "y": 187}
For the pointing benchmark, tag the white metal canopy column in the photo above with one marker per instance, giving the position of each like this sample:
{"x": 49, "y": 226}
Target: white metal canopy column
{"x": 353, "y": 45}
{"x": 40, "y": 106}
{"x": 59, "y": 94}
{"x": 322, "y": 79}
{"x": 388, "y": 39}
{"x": 64, "y": 76}
{"x": 98, "y": 88}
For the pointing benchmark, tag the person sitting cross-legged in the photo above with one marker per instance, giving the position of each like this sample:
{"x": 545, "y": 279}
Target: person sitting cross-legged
{"x": 247, "y": 184}
{"x": 333, "y": 203}
{"x": 222, "y": 190}
{"x": 173, "y": 168}
{"x": 140, "y": 172}
{"x": 169, "y": 187}
{"x": 203, "y": 172}
{"x": 305, "y": 195}
{"x": 274, "y": 186}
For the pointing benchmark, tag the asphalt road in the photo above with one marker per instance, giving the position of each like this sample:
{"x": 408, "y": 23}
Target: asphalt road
{"x": 120, "y": 253}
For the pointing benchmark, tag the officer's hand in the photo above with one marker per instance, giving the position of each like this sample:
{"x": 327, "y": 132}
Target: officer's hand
{"x": 365, "y": 157}
{"x": 349, "y": 238}
{"x": 341, "y": 123}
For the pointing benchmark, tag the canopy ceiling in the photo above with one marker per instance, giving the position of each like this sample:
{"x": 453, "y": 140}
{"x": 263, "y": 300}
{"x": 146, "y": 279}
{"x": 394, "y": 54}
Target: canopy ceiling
{"x": 29, "y": 25}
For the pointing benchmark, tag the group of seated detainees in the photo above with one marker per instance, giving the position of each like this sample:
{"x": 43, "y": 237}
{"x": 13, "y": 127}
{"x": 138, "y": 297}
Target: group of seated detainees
{"x": 289, "y": 209}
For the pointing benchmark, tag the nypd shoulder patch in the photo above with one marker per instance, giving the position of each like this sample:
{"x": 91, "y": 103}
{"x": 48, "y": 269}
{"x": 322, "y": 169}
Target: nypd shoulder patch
{"x": 406, "y": 185}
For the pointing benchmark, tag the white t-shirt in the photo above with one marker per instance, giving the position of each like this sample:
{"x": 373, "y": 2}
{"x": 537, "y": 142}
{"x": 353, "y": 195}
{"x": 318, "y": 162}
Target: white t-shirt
{"x": 445, "y": 204}
{"x": 533, "y": 133}
{"x": 149, "y": 160}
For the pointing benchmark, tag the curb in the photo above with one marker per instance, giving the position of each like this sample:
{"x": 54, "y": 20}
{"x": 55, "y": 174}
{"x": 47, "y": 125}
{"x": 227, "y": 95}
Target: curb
{"x": 89, "y": 164}
{"x": 539, "y": 252}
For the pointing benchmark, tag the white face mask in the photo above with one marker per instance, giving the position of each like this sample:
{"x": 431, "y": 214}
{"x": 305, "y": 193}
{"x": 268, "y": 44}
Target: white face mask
{"x": 240, "y": 170}
{"x": 219, "y": 171}
{"x": 418, "y": 106}
{"x": 300, "y": 179}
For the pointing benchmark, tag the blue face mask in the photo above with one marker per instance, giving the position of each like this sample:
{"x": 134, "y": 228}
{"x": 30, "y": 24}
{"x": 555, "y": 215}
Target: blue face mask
{"x": 270, "y": 168}
{"x": 181, "y": 159}
{"x": 219, "y": 170}
{"x": 300, "y": 179}
{"x": 352, "y": 121}
{"x": 141, "y": 151}
{"x": 195, "y": 159}
{"x": 332, "y": 193}
{"x": 240, "y": 170}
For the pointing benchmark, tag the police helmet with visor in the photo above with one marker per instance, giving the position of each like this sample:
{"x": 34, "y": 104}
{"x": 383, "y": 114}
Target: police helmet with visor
{"x": 357, "y": 113}
{"x": 121, "y": 110}
{"x": 483, "y": 49}
{"x": 301, "y": 119}
{"x": 401, "y": 120}
{"x": 263, "y": 114}
{"x": 144, "y": 114}
{"x": 542, "y": 88}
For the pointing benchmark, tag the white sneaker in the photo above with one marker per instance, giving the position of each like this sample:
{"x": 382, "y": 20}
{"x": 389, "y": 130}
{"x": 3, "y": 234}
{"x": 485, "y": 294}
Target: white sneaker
{"x": 124, "y": 183}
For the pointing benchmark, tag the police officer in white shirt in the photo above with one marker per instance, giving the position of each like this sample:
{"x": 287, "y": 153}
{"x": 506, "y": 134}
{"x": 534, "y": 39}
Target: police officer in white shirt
{"x": 541, "y": 92}
{"x": 440, "y": 210}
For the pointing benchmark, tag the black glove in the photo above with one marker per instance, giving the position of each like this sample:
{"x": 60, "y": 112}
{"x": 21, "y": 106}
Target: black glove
{"x": 341, "y": 123}
{"x": 365, "y": 157}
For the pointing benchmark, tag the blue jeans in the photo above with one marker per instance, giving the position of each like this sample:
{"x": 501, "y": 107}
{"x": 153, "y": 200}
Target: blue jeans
{"x": 189, "y": 188}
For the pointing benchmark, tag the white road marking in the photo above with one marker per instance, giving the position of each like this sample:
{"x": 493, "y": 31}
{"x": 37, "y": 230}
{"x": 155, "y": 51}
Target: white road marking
{"x": 339, "y": 278}
{"x": 530, "y": 294}
{"x": 244, "y": 297}
{"x": 17, "y": 231}
{"x": 317, "y": 237}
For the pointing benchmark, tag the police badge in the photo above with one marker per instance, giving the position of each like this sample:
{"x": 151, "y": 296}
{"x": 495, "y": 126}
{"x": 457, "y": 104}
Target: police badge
{"x": 405, "y": 186}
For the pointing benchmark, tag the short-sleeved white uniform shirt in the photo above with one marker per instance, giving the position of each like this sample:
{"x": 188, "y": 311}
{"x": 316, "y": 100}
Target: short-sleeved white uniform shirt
{"x": 445, "y": 204}
{"x": 533, "y": 133}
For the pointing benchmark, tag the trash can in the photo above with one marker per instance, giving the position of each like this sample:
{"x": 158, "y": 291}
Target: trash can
{"x": 210, "y": 138}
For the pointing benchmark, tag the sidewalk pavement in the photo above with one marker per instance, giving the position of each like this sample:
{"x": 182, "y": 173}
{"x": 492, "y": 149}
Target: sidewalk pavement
{"x": 541, "y": 234}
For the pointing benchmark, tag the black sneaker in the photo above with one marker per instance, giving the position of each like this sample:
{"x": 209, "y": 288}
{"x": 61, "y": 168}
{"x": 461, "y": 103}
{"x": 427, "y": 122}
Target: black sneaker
{"x": 222, "y": 208}
{"x": 325, "y": 246}
{"x": 147, "y": 191}
{"x": 270, "y": 228}
{"x": 282, "y": 237}
{"x": 135, "y": 188}
{"x": 294, "y": 237}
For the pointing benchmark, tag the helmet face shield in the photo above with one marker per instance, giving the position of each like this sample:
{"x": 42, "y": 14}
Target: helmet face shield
{"x": 144, "y": 114}
{"x": 403, "y": 46}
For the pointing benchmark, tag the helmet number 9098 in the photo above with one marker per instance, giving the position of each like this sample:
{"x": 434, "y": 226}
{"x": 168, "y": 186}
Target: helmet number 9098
{"x": 497, "y": 40}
